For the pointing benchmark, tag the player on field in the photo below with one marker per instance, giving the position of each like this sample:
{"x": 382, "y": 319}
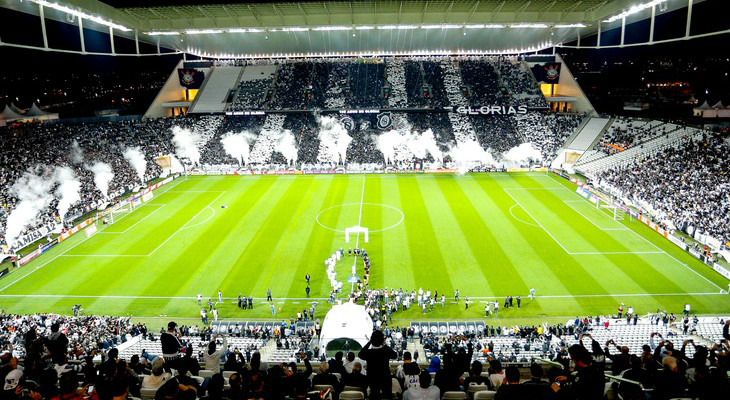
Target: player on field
{"x": 532, "y": 293}
{"x": 200, "y": 299}
{"x": 220, "y": 296}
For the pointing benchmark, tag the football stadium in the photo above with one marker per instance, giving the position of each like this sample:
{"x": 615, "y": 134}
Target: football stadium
{"x": 456, "y": 200}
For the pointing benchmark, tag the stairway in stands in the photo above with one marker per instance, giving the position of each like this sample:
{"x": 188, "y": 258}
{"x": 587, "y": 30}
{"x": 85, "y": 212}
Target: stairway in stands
{"x": 462, "y": 127}
{"x": 266, "y": 141}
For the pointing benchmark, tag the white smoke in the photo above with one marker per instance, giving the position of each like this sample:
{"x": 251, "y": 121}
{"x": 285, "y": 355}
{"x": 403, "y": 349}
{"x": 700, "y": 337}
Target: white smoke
{"x": 33, "y": 194}
{"x": 135, "y": 158}
{"x": 522, "y": 154}
{"x": 102, "y": 176}
{"x": 467, "y": 155}
{"x": 238, "y": 145}
{"x": 77, "y": 155}
{"x": 287, "y": 145}
{"x": 333, "y": 140}
{"x": 186, "y": 144}
{"x": 403, "y": 145}
{"x": 67, "y": 191}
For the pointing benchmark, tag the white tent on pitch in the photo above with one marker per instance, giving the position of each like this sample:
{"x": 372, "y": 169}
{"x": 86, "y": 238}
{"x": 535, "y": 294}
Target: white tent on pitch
{"x": 346, "y": 321}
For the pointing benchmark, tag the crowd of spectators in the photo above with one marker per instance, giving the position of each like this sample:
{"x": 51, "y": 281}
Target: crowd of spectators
{"x": 48, "y": 356}
{"x": 252, "y": 95}
{"x": 78, "y": 145}
{"x": 684, "y": 185}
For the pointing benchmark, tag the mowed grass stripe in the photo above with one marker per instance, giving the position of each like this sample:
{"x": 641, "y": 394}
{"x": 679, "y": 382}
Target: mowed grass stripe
{"x": 373, "y": 216}
{"x": 180, "y": 256}
{"x": 488, "y": 252}
{"x": 293, "y": 242}
{"x": 216, "y": 242}
{"x": 346, "y": 217}
{"x": 534, "y": 262}
{"x": 566, "y": 267}
{"x": 320, "y": 242}
{"x": 648, "y": 278}
{"x": 473, "y": 256}
{"x": 256, "y": 264}
{"x": 62, "y": 275}
{"x": 428, "y": 261}
{"x": 660, "y": 242}
{"x": 577, "y": 232}
{"x": 396, "y": 261}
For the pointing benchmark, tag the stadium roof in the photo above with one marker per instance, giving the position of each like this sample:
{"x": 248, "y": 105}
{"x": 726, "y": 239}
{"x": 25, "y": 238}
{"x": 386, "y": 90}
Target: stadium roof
{"x": 237, "y": 29}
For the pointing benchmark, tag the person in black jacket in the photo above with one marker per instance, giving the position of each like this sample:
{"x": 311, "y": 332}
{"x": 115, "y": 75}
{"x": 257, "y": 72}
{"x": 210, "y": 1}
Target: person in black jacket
{"x": 378, "y": 356}
{"x": 171, "y": 346}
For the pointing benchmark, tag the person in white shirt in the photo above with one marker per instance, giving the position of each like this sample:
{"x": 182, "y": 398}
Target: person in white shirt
{"x": 424, "y": 391}
{"x": 158, "y": 376}
{"x": 215, "y": 314}
{"x": 212, "y": 357}
{"x": 200, "y": 299}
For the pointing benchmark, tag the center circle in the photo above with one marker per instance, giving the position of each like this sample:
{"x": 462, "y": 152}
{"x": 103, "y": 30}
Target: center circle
{"x": 392, "y": 216}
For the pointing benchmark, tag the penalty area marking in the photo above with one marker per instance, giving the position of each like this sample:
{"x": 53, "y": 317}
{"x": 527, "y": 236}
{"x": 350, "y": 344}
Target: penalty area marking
{"x": 159, "y": 207}
{"x": 573, "y": 253}
{"x": 661, "y": 251}
{"x": 82, "y": 241}
{"x": 515, "y": 217}
{"x": 204, "y": 221}
{"x": 402, "y": 216}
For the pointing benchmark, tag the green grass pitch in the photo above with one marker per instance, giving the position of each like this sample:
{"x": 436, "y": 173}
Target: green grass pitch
{"x": 489, "y": 235}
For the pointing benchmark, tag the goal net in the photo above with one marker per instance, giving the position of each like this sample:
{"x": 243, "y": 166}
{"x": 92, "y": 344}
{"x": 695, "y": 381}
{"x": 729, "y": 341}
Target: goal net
{"x": 357, "y": 230}
{"x": 114, "y": 213}
{"x": 613, "y": 210}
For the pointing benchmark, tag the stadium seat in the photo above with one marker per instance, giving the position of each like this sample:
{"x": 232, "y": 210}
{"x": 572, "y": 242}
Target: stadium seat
{"x": 352, "y": 395}
{"x": 485, "y": 395}
{"x": 324, "y": 387}
{"x": 351, "y": 389}
{"x": 227, "y": 374}
{"x": 147, "y": 394}
{"x": 206, "y": 373}
{"x": 454, "y": 395}
{"x": 475, "y": 388}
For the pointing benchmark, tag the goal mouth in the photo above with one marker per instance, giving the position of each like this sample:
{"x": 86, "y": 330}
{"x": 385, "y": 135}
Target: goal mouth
{"x": 357, "y": 230}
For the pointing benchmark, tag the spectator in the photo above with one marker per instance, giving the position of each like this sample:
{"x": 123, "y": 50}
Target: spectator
{"x": 158, "y": 378}
{"x": 424, "y": 391}
{"x": 511, "y": 389}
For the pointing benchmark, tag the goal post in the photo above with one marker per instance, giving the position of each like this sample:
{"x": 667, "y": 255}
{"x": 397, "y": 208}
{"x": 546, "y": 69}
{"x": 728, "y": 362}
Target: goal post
{"x": 114, "y": 213}
{"x": 356, "y": 230}
{"x": 616, "y": 212}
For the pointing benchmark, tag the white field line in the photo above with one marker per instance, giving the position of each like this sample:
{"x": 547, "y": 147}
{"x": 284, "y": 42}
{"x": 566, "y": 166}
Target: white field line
{"x": 515, "y": 217}
{"x": 72, "y": 247}
{"x": 204, "y": 221}
{"x": 233, "y": 299}
{"x": 359, "y": 221}
{"x": 657, "y": 247}
{"x": 574, "y": 253}
{"x": 135, "y": 224}
{"x": 197, "y": 191}
{"x": 506, "y": 190}
{"x": 183, "y": 227}
{"x": 567, "y": 202}
{"x": 105, "y": 255}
